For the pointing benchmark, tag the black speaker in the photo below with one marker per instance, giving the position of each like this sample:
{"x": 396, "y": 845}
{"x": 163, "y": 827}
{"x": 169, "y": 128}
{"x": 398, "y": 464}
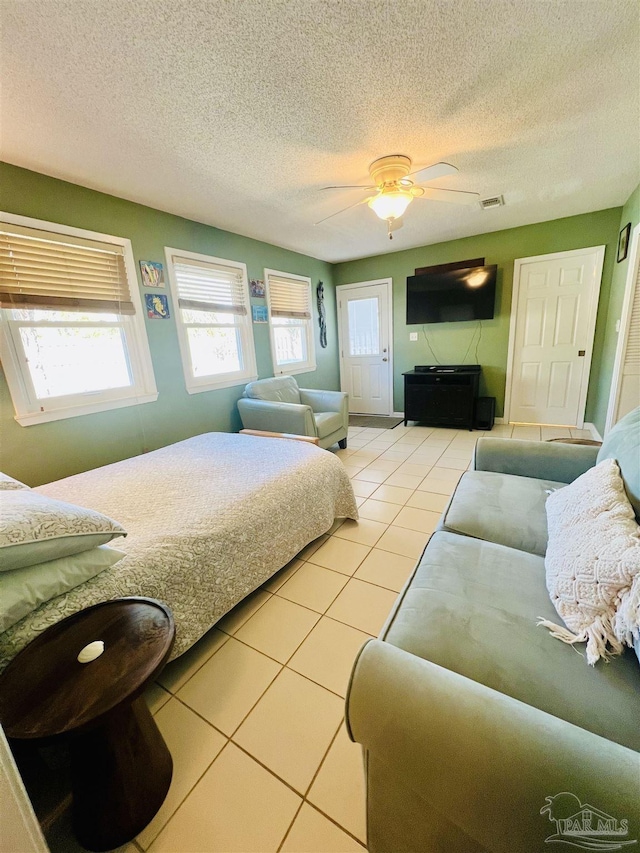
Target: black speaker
{"x": 484, "y": 413}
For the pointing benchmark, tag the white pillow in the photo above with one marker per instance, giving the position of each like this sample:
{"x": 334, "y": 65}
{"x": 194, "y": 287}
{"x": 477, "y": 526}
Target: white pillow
{"x": 593, "y": 555}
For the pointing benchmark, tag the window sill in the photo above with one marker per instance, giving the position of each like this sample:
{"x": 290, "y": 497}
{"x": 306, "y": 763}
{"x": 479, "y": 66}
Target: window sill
{"x": 225, "y": 383}
{"x": 31, "y": 418}
{"x": 294, "y": 370}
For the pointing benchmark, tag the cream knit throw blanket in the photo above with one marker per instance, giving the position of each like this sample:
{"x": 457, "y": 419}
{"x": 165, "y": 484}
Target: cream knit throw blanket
{"x": 593, "y": 555}
{"x": 626, "y": 624}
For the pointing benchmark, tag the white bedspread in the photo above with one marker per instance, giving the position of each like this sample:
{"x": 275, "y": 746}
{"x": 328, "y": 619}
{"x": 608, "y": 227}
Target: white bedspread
{"x": 209, "y": 519}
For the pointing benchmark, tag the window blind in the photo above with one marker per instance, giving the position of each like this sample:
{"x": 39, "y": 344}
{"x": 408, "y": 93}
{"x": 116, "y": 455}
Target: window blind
{"x": 206, "y": 286}
{"x": 289, "y": 297}
{"x": 39, "y": 269}
{"x": 632, "y": 354}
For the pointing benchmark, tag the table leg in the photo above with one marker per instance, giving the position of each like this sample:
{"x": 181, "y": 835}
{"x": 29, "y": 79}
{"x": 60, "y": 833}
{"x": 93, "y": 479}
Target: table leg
{"x": 121, "y": 773}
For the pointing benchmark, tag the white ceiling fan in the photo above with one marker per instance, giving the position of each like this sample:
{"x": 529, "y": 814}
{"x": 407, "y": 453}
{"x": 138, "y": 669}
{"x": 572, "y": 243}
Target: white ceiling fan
{"x": 395, "y": 188}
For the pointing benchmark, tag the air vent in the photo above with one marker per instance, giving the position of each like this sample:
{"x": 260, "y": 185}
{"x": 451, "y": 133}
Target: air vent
{"x": 488, "y": 203}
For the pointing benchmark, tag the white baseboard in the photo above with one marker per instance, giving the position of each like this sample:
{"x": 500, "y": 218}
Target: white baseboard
{"x": 588, "y": 426}
{"x": 497, "y": 420}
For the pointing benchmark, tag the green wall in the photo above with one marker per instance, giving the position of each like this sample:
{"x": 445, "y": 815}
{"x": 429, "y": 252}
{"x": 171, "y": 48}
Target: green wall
{"x": 451, "y": 341}
{"x": 630, "y": 213}
{"x": 44, "y": 452}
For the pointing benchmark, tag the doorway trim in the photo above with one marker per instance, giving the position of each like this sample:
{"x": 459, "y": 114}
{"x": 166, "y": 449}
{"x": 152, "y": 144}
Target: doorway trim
{"x": 593, "y": 313}
{"x": 343, "y": 288}
{"x": 623, "y": 327}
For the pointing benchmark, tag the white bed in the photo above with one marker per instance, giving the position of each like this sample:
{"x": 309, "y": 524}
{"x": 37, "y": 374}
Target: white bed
{"x": 209, "y": 519}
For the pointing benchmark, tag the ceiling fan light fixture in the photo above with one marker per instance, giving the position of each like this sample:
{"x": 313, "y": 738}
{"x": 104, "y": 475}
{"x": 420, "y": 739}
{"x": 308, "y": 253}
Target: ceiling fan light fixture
{"x": 391, "y": 205}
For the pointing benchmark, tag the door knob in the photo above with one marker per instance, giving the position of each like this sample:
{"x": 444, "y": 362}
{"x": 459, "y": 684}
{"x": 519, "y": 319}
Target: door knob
{"x": 385, "y": 359}
{"x": 581, "y": 353}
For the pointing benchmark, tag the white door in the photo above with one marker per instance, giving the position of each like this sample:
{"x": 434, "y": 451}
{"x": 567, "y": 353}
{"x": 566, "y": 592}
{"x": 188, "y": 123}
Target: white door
{"x": 625, "y": 384}
{"x": 364, "y": 325}
{"x": 555, "y": 301}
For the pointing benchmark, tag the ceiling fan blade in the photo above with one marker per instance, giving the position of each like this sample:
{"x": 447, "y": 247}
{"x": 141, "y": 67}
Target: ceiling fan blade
{"x": 452, "y": 196}
{"x": 348, "y": 187}
{"x": 437, "y": 170}
{"x": 344, "y": 210}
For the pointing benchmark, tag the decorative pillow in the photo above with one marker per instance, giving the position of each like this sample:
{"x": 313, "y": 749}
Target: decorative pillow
{"x": 8, "y": 483}
{"x": 35, "y": 529}
{"x": 593, "y": 555}
{"x": 627, "y": 621}
{"x": 23, "y": 590}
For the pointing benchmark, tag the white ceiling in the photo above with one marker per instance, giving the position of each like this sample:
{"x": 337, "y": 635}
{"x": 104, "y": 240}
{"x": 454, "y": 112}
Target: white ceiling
{"x": 235, "y": 112}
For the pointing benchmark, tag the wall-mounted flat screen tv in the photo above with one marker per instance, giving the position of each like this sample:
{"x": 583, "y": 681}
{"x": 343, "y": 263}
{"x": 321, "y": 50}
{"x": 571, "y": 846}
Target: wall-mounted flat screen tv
{"x": 452, "y": 296}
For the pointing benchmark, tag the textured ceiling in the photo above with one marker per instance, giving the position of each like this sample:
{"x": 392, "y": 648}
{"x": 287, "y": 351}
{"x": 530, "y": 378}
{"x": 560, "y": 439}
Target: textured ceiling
{"x": 235, "y": 112}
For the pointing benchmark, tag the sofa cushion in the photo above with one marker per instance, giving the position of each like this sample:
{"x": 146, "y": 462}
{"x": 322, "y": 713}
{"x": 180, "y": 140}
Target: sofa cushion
{"x": 592, "y": 557}
{"x": 502, "y": 508}
{"x": 623, "y": 445}
{"x": 279, "y": 389}
{"x": 472, "y": 608}
{"x": 328, "y": 422}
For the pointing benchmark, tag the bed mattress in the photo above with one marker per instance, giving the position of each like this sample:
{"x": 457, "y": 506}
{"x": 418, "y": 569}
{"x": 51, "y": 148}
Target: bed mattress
{"x": 209, "y": 519}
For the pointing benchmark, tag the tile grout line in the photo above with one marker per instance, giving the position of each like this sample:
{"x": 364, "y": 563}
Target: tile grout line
{"x": 215, "y": 651}
{"x": 207, "y": 659}
{"x": 324, "y": 757}
{"x": 290, "y": 827}
{"x": 188, "y": 794}
{"x": 355, "y": 578}
{"x": 335, "y": 823}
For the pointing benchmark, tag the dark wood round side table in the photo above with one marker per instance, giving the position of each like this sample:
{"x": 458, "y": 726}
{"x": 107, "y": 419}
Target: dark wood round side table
{"x": 120, "y": 765}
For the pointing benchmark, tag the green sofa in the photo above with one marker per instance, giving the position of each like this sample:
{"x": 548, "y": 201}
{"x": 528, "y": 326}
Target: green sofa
{"x": 473, "y": 719}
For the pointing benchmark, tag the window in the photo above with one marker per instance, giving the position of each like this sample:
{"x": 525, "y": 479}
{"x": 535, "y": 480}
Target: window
{"x": 364, "y": 326}
{"x": 290, "y": 322}
{"x": 72, "y": 330}
{"x": 214, "y": 322}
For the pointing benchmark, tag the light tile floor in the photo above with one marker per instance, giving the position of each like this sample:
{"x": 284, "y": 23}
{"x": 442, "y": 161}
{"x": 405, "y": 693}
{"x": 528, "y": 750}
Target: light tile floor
{"x": 253, "y": 713}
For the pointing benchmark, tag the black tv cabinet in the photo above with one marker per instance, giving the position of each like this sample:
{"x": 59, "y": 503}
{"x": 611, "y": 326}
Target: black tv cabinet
{"x": 441, "y": 395}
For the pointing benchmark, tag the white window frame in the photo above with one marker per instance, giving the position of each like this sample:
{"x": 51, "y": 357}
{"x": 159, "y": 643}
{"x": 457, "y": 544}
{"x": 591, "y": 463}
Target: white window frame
{"x": 309, "y": 365}
{"x": 31, "y": 410}
{"x": 195, "y": 385}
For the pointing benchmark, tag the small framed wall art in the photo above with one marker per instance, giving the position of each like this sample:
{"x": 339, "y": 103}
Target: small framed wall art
{"x": 157, "y": 306}
{"x": 259, "y": 314}
{"x": 256, "y": 285}
{"x": 152, "y": 274}
{"x": 623, "y": 242}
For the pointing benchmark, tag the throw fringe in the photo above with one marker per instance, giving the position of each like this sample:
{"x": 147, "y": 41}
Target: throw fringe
{"x": 596, "y": 636}
{"x": 626, "y": 624}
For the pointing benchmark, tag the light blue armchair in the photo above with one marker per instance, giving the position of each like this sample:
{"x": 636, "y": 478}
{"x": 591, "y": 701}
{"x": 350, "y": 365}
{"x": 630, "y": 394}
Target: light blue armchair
{"x": 278, "y": 405}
